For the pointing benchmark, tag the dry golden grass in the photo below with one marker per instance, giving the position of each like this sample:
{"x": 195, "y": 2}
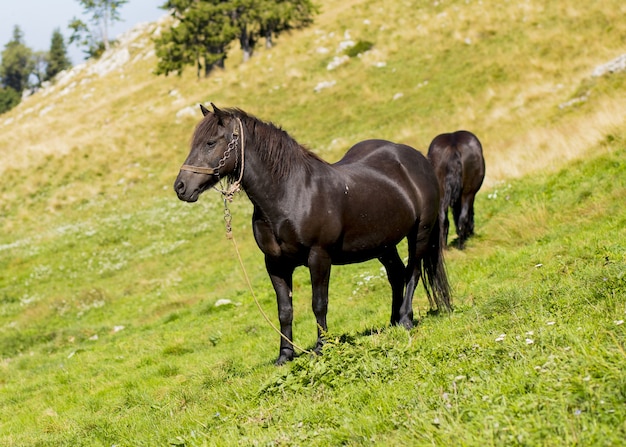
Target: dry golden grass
{"x": 129, "y": 115}
{"x": 548, "y": 148}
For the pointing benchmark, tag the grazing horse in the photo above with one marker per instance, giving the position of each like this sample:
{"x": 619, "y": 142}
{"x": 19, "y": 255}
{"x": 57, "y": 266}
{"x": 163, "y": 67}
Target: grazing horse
{"x": 460, "y": 167}
{"x": 312, "y": 213}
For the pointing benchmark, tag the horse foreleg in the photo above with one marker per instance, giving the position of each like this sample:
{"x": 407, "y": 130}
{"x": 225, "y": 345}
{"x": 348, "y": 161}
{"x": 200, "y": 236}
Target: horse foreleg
{"x": 319, "y": 268}
{"x": 395, "y": 274}
{"x": 281, "y": 276}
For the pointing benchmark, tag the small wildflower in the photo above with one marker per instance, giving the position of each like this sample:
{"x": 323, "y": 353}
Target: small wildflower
{"x": 577, "y": 412}
{"x": 586, "y": 378}
{"x": 529, "y": 341}
{"x": 501, "y": 337}
{"x": 530, "y": 333}
{"x": 538, "y": 265}
{"x": 551, "y": 323}
{"x": 619, "y": 322}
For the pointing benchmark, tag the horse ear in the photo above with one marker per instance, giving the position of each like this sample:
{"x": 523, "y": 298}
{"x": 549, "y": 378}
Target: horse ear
{"x": 215, "y": 109}
{"x": 219, "y": 114}
{"x": 205, "y": 111}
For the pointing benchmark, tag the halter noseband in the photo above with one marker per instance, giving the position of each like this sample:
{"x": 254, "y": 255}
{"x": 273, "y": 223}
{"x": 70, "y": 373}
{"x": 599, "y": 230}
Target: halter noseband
{"x": 235, "y": 186}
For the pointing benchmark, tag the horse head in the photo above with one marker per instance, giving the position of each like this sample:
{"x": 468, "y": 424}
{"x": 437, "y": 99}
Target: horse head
{"x": 213, "y": 155}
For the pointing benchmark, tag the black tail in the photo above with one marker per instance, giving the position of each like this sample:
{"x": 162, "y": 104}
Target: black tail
{"x": 451, "y": 194}
{"x": 434, "y": 275}
{"x": 453, "y": 180}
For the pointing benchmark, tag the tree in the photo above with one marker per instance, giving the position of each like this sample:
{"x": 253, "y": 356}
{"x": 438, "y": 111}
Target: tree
{"x": 256, "y": 19}
{"x": 205, "y": 28}
{"x": 17, "y": 63}
{"x": 103, "y": 13}
{"x": 199, "y": 37}
{"x": 57, "y": 56}
{"x": 9, "y": 98}
{"x": 245, "y": 18}
{"x": 286, "y": 15}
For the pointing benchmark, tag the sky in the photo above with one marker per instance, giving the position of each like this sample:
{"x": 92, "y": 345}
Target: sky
{"x": 38, "y": 18}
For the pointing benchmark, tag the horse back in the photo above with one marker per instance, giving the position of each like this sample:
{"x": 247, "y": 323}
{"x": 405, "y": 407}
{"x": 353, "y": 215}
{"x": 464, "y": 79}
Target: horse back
{"x": 398, "y": 162}
{"x": 390, "y": 186}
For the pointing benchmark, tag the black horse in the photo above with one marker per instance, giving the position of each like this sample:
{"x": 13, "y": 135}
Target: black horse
{"x": 460, "y": 167}
{"x": 312, "y": 213}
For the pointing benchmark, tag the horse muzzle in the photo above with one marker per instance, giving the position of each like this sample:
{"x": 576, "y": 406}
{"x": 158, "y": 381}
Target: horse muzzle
{"x": 189, "y": 186}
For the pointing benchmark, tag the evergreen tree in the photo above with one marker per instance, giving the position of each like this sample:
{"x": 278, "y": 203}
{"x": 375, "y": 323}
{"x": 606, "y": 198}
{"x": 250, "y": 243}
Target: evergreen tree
{"x": 199, "y": 37}
{"x": 205, "y": 28}
{"x": 245, "y": 17}
{"x": 58, "y": 59}
{"x": 280, "y": 16}
{"x": 103, "y": 13}
{"x": 256, "y": 19}
{"x": 9, "y": 98}
{"x": 17, "y": 62}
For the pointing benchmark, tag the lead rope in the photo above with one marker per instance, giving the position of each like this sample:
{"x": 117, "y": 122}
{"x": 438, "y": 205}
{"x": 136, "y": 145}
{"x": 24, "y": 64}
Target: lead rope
{"x": 228, "y": 197}
{"x": 245, "y": 274}
{"x": 236, "y": 185}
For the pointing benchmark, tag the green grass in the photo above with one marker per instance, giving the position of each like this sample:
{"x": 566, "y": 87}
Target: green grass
{"x": 532, "y": 355}
{"x": 109, "y": 332}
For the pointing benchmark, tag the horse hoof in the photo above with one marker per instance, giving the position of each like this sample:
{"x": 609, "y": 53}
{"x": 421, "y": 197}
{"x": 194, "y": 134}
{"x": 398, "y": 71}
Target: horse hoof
{"x": 283, "y": 358}
{"x": 406, "y": 323}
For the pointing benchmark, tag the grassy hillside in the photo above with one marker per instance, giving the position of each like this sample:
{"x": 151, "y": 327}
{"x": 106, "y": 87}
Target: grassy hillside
{"x": 109, "y": 329}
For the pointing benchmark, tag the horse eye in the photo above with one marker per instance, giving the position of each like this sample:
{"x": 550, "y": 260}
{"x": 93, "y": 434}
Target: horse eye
{"x": 211, "y": 143}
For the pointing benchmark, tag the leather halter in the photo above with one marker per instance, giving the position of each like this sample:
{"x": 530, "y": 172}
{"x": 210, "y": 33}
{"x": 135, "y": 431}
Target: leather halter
{"x": 235, "y": 186}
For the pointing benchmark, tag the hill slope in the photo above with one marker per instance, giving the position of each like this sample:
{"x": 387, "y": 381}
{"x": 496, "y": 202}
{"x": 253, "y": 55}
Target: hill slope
{"x": 109, "y": 329}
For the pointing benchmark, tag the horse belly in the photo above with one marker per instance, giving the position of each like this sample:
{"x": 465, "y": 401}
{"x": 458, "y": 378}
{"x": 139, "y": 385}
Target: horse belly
{"x": 371, "y": 231}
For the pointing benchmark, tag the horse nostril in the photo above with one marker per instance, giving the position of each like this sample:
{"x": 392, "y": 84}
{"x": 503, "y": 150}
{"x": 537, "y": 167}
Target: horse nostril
{"x": 179, "y": 187}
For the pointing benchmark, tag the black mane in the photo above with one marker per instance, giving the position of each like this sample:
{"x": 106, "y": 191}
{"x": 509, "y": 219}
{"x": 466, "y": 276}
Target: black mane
{"x": 275, "y": 146}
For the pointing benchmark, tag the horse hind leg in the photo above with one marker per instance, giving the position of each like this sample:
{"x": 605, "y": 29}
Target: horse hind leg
{"x": 470, "y": 219}
{"x": 319, "y": 268}
{"x": 457, "y": 214}
{"x": 395, "y": 274}
{"x": 418, "y": 244}
{"x": 465, "y": 227}
{"x": 444, "y": 222}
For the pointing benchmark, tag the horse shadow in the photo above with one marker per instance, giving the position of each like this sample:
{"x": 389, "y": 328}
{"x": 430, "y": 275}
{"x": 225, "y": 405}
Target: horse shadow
{"x": 352, "y": 338}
